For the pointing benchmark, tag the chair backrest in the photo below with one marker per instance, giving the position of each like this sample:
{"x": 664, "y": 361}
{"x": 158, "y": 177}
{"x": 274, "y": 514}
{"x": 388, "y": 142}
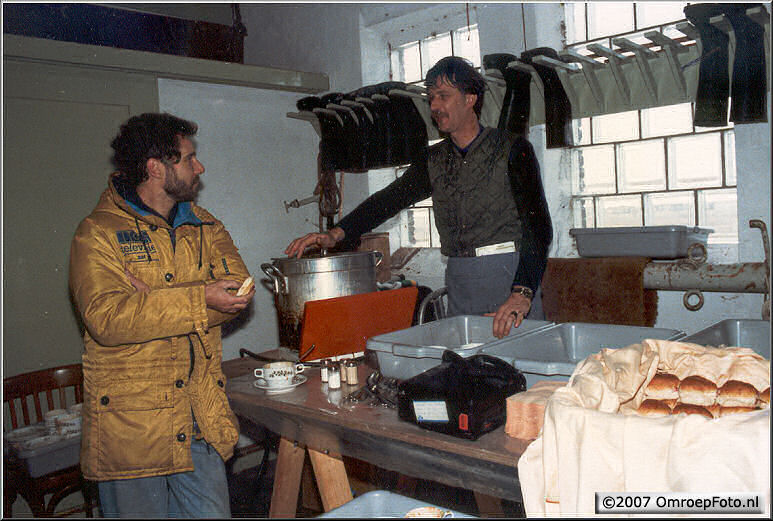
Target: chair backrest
{"x": 55, "y": 384}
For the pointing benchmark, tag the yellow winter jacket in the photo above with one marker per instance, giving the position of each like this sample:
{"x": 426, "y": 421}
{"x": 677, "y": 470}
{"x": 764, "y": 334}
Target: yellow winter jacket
{"x": 151, "y": 359}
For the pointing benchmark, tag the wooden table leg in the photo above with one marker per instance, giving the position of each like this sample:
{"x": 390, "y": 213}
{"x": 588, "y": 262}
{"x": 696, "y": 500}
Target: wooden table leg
{"x": 332, "y": 480}
{"x": 287, "y": 479}
{"x": 489, "y": 506}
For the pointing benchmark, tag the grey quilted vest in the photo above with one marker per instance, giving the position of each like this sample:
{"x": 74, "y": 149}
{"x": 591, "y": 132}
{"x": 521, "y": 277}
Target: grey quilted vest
{"x": 472, "y": 197}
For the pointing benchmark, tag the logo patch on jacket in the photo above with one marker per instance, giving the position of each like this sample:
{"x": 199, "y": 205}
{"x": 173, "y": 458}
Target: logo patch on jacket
{"x": 135, "y": 246}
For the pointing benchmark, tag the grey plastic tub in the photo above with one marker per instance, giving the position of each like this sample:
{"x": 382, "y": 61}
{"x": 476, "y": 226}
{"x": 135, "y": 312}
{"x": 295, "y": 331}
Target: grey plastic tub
{"x": 553, "y": 353}
{"x": 381, "y": 503}
{"x": 657, "y": 242}
{"x": 408, "y": 352}
{"x": 57, "y": 455}
{"x": 746, "y": 332}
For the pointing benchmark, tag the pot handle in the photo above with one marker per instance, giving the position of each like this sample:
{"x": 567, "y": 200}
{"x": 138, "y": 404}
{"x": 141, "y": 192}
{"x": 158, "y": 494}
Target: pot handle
{"x": 280, "y": 281}
{"x": 379, "y": 257}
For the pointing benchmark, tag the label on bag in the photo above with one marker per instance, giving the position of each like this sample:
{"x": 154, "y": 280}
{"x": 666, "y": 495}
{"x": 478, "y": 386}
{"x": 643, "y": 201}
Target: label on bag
{"x": 430, "y": 411}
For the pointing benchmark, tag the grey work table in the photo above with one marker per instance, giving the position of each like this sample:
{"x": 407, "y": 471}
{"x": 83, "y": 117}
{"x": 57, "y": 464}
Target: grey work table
{"x": 310, "y": 417}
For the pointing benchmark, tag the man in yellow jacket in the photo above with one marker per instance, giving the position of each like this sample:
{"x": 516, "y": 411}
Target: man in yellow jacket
{"x": 153, "y": 276}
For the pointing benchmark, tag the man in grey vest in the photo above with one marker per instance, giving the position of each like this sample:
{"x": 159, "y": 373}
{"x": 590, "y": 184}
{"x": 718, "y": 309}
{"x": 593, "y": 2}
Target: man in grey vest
{"x": 489, "y": 204}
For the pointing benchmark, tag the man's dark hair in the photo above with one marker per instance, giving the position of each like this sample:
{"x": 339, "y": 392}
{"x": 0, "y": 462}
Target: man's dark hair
{"x": 148, "y": 136}
{"x": 461, "y": 74}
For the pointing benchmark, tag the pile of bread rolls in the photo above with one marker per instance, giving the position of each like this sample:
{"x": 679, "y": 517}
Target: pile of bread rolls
{"x": 666, "y": 394}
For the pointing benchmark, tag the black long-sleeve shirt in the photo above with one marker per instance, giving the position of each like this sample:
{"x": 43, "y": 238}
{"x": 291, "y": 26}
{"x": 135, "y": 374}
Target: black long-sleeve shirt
{"x": 526, "y": 184}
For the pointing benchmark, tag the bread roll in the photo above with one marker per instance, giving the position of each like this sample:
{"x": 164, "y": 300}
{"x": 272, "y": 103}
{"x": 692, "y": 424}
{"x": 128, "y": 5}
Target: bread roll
{"x": 714, "y": 410}
{"x": 724, "y": 411}
{"x": 737, "y": 394}
{"x": 764, "y": 399}
{"x": 663, "y": 386}
{"x": 653, "y": 408}
{"x": 696, "y": 390}
{"x": 246, "y": 287}
{"x": 686, "y": 408}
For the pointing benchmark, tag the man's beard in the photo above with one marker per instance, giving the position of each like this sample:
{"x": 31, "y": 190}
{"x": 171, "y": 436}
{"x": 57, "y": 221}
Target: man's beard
{"x": 178, "y": 190}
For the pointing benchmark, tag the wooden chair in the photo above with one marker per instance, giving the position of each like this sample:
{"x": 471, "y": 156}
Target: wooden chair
{"x": 55, "y": 384}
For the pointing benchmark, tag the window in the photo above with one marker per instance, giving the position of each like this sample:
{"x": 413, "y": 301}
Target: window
{"x": 410, "y": 63}
{"x": 649, "y": 167}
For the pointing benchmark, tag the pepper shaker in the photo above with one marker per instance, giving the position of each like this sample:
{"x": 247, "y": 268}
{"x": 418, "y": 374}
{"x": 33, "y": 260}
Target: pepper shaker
{"x": 334, "y": 376}
{"x": 342, "y": 369}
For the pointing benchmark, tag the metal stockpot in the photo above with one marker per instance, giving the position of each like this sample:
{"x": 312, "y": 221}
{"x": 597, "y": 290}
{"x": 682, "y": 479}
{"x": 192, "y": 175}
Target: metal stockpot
{"x": 296, "y": 281}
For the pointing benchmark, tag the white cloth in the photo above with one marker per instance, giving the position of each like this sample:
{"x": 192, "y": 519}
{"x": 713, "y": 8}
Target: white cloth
{"x": 592, "y": 441}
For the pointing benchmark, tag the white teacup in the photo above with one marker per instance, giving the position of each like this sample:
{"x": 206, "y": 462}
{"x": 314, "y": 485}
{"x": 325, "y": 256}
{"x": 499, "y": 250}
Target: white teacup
{"x": 278, "y": 374}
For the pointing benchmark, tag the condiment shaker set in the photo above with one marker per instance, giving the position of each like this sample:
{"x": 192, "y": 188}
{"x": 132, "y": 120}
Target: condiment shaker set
{"x": 334, "y": 373}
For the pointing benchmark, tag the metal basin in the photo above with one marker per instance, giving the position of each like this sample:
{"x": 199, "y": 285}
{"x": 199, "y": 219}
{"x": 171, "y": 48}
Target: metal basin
{"x": 738, "y": 332}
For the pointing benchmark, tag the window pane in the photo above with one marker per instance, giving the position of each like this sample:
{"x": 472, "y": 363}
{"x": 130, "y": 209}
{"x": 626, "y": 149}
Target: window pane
{"x": 695, "y": 161}
{"x": 730, "y": 178}
{"x": 433, "y": 49}
{"x": 582, "y": 209}
{"x": 616, "y": 127}
{"x": 575, "y": 26}
{"x": 620, "y": 210}
{"x": 467, "y": 44}
{"x": 642, "y": 166}
{"x": 406, "y": 65}
{"x": 415, "y": 228}
{"x": 593, "y": 170}
{"x": 718, "y": 209}
{"x": 658, "y": 13}
{"x": 666, "y": 209}
{"x": 581, "y": 131}
{"x": 605, "y": 18}
{"x": 668, "y": 120}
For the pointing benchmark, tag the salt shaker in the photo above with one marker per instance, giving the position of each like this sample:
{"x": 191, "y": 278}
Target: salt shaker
{"x": 324, "y": 369}
{"x": 334, "y": 377}
{"x": 342, "y": 369}
{"x": 351, "y": 372}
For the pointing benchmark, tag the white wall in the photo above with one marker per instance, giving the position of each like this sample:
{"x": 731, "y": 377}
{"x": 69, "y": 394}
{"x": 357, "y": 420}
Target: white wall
{"x": 306, "y": 37}
{"x": 255, "y": 158}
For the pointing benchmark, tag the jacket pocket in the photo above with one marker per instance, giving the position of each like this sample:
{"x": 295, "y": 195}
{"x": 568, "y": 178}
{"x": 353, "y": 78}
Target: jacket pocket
{"x": 133, "y": 395}
{"x": 135, "y": 425}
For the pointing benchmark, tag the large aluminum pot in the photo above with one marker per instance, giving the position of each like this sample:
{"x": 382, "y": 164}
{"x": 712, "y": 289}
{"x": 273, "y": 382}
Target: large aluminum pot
{"x": 296, "y": 281}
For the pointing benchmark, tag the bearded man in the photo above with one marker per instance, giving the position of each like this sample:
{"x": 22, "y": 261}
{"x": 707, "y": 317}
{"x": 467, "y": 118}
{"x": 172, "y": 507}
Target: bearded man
{"x": 153, "y": 276}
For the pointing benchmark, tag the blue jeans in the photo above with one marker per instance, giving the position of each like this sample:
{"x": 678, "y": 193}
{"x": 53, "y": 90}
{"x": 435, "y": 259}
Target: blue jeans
{"x": 201, "y": 493}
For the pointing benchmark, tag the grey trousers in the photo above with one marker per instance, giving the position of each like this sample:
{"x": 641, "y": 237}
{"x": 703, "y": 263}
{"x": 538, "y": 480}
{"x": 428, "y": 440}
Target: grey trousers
{"x": 478, "y": 285}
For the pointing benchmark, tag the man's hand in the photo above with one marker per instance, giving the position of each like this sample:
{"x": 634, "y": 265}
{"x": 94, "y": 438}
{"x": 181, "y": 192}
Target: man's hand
{"x": 510, "y": 314}
{"x": 219, "y": 299}
{"x": 137, "y": 283}
{"x": 323, "y": 240}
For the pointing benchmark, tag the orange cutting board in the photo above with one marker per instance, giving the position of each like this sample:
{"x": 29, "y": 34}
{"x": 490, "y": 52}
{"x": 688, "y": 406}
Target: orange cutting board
{"x": 342, "y": 325}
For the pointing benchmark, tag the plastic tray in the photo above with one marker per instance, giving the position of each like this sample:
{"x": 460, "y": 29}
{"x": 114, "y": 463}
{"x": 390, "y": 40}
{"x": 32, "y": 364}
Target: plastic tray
{"x": 59, "y": 454}
{"x": 657, "y": 242}
{"x": 751, "y": 333}
{"x": 381, "y": 503}
{"x": 404, "y": 354}
{"x": 553, "y": 353}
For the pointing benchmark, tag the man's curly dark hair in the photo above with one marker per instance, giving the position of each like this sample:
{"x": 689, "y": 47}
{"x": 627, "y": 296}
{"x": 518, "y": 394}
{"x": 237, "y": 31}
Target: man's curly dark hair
{"x": 461, "y": 74}
{"x": 148, "y": 136}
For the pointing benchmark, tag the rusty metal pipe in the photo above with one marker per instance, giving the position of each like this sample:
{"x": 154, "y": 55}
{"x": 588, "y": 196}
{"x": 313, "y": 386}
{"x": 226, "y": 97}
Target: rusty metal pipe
{"x": 744, "y": 277}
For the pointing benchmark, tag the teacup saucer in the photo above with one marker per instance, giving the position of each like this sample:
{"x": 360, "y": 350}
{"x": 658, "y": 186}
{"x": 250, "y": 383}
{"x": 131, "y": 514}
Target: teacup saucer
{"x": 297, "y": 380}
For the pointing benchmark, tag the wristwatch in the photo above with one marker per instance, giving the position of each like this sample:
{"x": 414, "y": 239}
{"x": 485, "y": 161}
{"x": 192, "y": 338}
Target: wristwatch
{"x": 523, "y": 290}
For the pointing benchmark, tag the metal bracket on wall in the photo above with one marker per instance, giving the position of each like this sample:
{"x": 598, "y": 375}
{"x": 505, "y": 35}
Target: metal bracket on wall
{"x": 615, "y": 59}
